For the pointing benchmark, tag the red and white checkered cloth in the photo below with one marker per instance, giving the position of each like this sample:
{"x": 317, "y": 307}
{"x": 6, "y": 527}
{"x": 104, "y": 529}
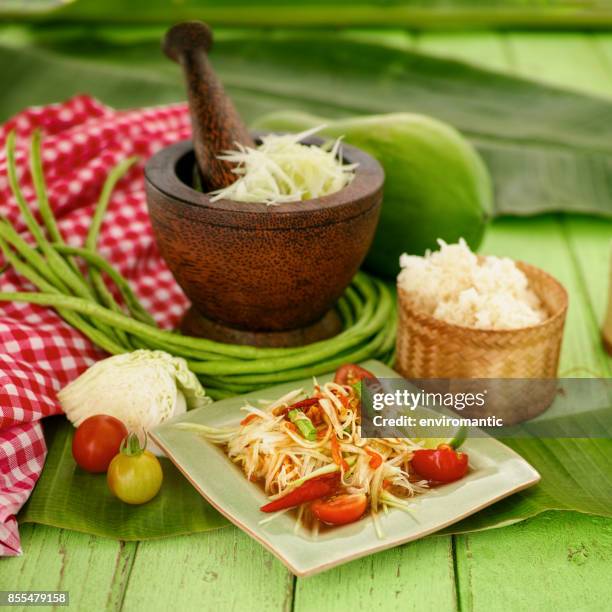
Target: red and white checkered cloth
{"x": 39, "y": 353}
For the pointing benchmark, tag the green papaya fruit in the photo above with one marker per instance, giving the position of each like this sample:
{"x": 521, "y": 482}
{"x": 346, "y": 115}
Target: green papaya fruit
{"x": 436, "y": 184}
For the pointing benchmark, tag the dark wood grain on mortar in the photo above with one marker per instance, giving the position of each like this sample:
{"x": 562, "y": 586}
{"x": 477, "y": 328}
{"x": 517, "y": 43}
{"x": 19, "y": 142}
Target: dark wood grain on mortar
{"x": 258, "y": 267}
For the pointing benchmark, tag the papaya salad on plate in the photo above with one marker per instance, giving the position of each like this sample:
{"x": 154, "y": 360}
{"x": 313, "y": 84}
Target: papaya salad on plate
{"x": 306, "y": 452}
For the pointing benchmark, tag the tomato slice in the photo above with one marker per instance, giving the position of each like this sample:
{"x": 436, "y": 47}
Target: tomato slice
{"x": 351, "y": 373}
{"x": 323, "y": 486}
{"x": 443, "y": 464}
{"x": 341, "y": 509}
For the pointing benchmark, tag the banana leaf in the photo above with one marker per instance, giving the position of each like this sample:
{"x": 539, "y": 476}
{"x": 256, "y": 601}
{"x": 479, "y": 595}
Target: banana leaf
{"x": 548, "y": 149}
{"x": 413, "y": 13}
{"x": 67, "y": 497}
{"x": 576, "y": 475}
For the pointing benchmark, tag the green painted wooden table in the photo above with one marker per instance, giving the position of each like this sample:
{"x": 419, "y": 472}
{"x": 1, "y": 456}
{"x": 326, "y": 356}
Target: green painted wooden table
{"x": 556, "y": 561}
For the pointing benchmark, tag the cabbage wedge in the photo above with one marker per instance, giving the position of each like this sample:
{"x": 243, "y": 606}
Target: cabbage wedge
{"x": 142, "y": 389}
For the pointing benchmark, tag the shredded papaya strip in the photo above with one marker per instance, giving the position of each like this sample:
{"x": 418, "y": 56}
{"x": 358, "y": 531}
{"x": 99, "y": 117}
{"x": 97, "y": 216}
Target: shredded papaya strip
{"x": 337, "y": 454}
{"x": 344, "y": 400}
{"x": 249, "y": 418}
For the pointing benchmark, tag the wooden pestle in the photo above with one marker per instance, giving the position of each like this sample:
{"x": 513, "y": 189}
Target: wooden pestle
{"x": 216, "y": 124}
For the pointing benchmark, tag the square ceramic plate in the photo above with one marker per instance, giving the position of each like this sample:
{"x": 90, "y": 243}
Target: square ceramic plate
{"x": 496, "y": 472}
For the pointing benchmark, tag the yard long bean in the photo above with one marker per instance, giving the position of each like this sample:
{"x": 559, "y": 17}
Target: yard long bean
{"x": 366, "y": 309}
{"x": 64, "y": 276}
{"x": 91, "y": 242}
{"x": 72, "y": 318}
{"x": 266, "y": 359}
{"x": 137, "y": 310}
{"x": 308, "y": 368}
{"x": 40, "y": 188}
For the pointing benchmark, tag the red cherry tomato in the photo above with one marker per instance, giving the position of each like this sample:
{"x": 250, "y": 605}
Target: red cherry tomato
{"x": 443, "y": 464}
{"x": 96, "y": 441}
{"x": 350, "y": 373}
{"x": 323, "y": 486}
{"x": 341, "y": 509}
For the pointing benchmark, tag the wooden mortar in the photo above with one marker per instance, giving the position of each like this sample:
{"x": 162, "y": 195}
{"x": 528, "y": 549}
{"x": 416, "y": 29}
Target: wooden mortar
{"x": 258, "y": 274}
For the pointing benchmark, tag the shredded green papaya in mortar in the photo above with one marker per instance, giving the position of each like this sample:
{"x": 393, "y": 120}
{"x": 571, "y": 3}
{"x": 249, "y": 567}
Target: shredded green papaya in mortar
{"x": 283, "y": 169}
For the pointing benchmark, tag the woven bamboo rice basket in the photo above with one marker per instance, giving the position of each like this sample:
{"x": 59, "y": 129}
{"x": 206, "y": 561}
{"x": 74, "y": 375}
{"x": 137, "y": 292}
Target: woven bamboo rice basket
{"x": 428, "y": 348}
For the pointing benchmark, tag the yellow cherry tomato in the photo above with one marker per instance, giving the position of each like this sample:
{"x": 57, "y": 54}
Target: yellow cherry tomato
{"x": 134, "y": 475}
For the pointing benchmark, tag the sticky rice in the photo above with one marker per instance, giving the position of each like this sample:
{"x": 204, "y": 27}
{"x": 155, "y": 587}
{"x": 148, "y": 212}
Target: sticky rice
{"x": 456, "y": 286}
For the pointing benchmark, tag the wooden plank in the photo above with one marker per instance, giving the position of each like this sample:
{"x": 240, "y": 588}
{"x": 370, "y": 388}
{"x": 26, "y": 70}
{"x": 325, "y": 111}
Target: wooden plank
{"x": 93, "y": 570}
{"x": 558, "y": 561}
{"x": 398, "y": 579}
{"x": 217, "y": 570}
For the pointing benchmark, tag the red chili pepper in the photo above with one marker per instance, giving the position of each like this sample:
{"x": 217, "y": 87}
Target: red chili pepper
{"x": 323, "y": 486}
{"x": 311, "y": 401}
{"x": 444, "y": 464}
{"x": 376, "y": 459}
{"x": 337, "y": 454}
